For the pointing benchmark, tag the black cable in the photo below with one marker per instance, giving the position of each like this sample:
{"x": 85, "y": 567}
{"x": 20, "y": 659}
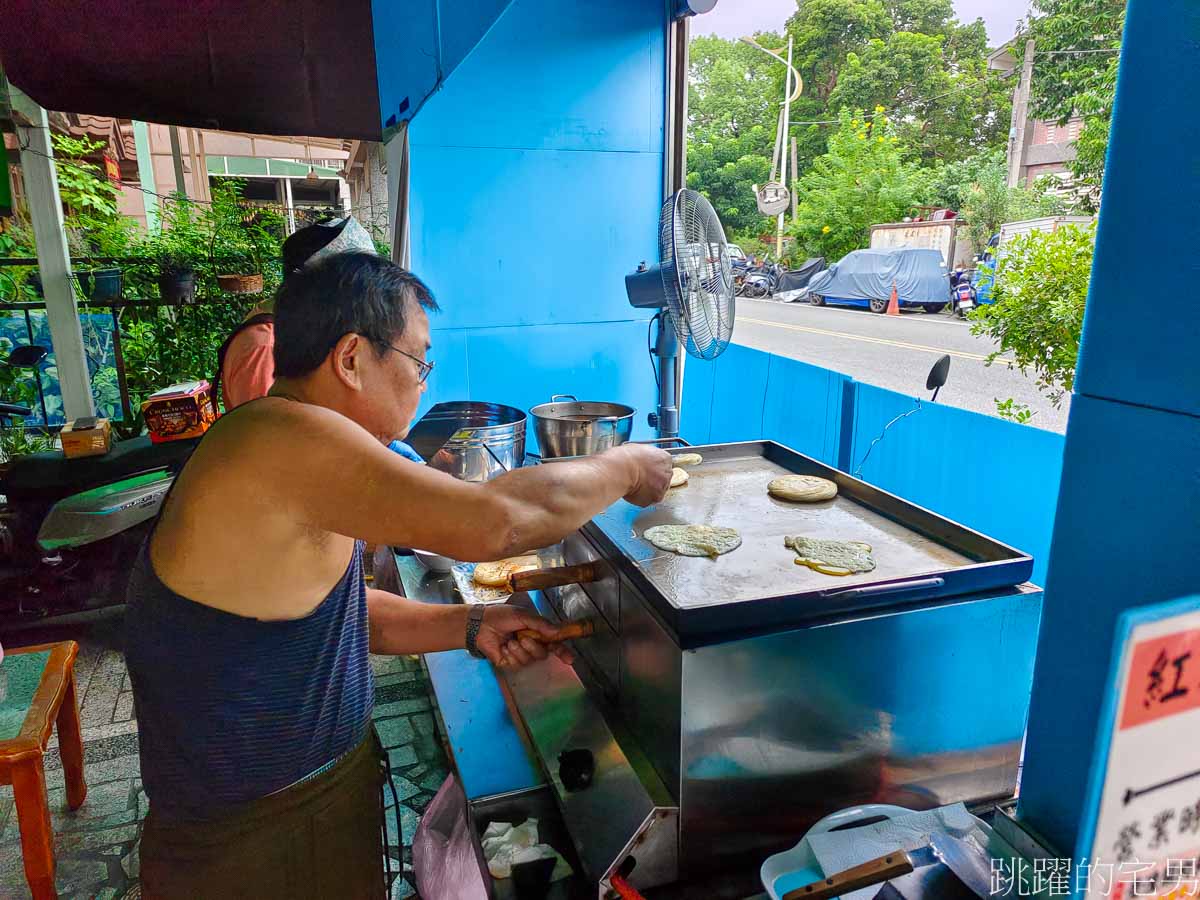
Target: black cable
{"x": 657, "y": 317}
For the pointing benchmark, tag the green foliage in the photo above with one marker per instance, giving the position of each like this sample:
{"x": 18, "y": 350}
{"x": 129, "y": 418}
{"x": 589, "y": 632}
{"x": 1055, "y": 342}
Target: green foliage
{"x": 733, "y": 103}
{"x": 243, "y": 237}
{"x": 18, "y": 440}
{"x": 1082, "y": 84}
{"x": 978, "y": 188}
{"x": 948, "y": 105}
{"x": 862, "y": 180}
{"x": 1013, "y": 411}
{"x": 1038, "y": 301}
{"x": 84, "y": 191}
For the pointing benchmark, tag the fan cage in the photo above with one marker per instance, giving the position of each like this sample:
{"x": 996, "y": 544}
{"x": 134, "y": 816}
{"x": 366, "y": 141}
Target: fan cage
{"x": 697, "y": 274}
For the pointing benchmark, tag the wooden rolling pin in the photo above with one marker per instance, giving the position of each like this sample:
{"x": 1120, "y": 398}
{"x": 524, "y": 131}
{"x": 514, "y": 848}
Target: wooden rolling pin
{"x": 572, "y": 631}
{"x": 540, "y": 579}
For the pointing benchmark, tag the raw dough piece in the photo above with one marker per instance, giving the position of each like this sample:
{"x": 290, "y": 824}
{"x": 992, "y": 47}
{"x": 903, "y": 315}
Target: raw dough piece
{"x": 689, "y": 459}
{"x": 831, "y": 557}
{"x": 496, "y": 574}
{"x": 693, "y": 540}
{"x": 802, "y": 488}
{"x": 678, "y": 477}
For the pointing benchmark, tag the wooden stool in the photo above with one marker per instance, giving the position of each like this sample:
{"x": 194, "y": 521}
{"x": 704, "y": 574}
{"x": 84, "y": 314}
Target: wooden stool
{"x": 41, "y": 684}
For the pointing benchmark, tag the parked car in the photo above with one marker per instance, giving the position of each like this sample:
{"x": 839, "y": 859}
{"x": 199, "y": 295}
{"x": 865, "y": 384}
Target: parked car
{"x": 866, "y": 278}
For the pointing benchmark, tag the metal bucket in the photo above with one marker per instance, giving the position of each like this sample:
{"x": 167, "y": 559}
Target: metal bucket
{"x": 482, "y": 440}
{"x": 579, "y": 428}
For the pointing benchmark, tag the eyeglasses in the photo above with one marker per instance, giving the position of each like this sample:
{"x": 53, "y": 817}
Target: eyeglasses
{"x": 423, "y": 367}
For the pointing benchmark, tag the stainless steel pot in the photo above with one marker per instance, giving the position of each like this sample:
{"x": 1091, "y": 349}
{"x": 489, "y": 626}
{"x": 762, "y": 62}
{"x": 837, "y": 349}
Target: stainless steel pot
{"x": 567, "y": 426}
{"x": 482, "y": 440}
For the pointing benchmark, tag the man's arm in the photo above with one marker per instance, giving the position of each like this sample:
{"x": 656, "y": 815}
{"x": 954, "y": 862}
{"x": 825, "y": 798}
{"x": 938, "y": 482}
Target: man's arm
{"x": 334, "y": 476}
{"x": 399, "y": 625}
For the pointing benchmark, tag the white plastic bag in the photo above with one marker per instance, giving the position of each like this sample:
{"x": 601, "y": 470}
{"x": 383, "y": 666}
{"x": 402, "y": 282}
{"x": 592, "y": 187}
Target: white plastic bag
{"x": 445, "y": 862}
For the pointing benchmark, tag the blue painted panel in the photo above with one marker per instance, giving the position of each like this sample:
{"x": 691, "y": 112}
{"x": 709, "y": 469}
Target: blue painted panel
{"x": 1126, "y": 536}
{"x": 525, "y": 366}
{"x": 803, "y": 408}
{"x": 553, "y": 75}
{"x": 532, "y": 237}
{"x": 416, "y": 42}
{"x": 406, "y": 52}
{"x": 488, "y": 751}
{"x": 739, "y": 394}
{"x": 464, "y": 23}
{"x": 1140, "y": 335}
{"x": 997, "y": 477}
{"x": 695, "y": 407}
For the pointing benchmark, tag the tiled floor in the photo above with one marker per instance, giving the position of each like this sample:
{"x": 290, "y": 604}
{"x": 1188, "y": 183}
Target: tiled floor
{"x": 97, "y": 845}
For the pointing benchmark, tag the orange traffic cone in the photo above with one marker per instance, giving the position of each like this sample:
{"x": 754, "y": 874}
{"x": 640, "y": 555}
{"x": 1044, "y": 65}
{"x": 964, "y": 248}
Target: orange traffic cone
{"x": 893, "y": 308}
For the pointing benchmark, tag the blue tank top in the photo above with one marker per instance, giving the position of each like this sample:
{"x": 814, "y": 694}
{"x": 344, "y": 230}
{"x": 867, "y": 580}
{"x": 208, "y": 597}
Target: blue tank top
{"x": 230, "y": 708}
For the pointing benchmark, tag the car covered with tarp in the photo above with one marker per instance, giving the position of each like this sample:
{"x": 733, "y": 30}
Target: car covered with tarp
{"x": 867, "y": 277}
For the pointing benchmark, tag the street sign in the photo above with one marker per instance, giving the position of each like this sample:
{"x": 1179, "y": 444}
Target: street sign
{"x": 1141, "y": 831}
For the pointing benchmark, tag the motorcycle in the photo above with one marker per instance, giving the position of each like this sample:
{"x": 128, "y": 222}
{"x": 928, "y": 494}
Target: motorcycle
{"x": 963, "y": 297}
{"x": 71, "y": 529}
{"x": 760, "y": 281}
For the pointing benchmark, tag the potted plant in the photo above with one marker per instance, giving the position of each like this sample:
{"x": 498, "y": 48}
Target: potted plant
{"x": 237, "y": 260}
{"x": 101, "y": 284}
{"x": 176, "y": 278}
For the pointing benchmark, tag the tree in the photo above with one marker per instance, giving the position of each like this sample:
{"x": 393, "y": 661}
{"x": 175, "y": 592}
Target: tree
{"x": 1077, "y": 83}
{"x": 733, "y": 105}
{"x": 978, "y": 188}
{"x": 861, "y": 180}
{"x": 1038, "y": 298}
{"x": 826, "y": 32}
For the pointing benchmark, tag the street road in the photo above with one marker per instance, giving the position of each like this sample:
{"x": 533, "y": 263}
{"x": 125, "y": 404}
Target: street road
{"x": 894, "y": 352}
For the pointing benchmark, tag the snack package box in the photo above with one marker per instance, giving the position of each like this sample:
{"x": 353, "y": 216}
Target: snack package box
{"x": 86, "y": 437}
{"x": 179, "y": 412}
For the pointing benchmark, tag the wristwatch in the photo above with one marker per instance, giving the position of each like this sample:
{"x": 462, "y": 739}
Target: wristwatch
{"x": 474, "y": 620}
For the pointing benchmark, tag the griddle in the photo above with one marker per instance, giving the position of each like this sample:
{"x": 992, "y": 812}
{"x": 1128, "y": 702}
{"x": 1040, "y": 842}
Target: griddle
{"x": 919, "y": 554}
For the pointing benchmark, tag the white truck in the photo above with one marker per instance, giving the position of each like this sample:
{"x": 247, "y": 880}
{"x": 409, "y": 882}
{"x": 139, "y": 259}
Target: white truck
{"x": 940, "y": 235}
{"x": 1046, "y": 223}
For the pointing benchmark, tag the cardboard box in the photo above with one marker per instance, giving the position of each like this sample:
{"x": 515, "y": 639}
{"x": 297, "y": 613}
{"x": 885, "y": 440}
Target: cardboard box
{"x": 179, "y": 412}
{"x": 86, "y": 437}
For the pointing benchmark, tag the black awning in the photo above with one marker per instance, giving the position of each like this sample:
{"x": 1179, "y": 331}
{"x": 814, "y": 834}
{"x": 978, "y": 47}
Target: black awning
{"x": 282, "y": 67}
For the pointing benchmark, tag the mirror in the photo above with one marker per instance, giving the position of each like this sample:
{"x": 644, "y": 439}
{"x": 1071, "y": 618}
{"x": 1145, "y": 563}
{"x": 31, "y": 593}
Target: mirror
{"x": 27, "y": 356}
{"x": 938, "y": 374}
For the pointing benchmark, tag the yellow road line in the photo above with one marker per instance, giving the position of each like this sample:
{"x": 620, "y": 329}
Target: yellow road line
{"x": 960, "y": 354}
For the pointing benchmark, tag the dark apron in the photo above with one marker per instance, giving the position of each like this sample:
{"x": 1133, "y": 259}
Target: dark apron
{"x": 319, "y": 838}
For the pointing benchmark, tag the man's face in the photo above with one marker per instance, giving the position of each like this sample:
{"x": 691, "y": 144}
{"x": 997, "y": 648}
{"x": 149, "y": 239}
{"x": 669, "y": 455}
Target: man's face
{"x": 396, "y": 392}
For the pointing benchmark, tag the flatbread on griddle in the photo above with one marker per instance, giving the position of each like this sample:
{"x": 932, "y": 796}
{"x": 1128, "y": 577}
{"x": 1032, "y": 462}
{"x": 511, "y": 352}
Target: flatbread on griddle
{"x": 688, "y": 459}
{"x": 831, "y": 557}
{"x": 678, "y": 477}
{"x": 802, "y": 488}
{"x": 496, "y": 574}
{"x": 693, "y": 540}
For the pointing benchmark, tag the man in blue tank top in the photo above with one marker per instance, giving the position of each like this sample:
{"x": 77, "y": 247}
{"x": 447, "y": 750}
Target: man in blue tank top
{"x": 249, "y": 623}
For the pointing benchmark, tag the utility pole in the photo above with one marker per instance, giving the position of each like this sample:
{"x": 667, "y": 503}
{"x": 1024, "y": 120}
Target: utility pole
{"x": 1020, "y": 119}
{"x": 783, "y": 169}
{"x": 795, "y": 174}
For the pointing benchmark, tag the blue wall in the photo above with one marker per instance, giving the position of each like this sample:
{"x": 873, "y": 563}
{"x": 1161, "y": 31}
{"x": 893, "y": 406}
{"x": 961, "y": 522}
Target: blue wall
{"x": 535, "y": 186}
{"x": 997, "y": 477}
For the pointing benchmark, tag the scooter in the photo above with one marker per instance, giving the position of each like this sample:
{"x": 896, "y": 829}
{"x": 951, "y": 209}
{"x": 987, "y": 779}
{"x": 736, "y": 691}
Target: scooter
{"x": 761, "y": 280}
{"x": 963, "y": 298}
{"x": 70, "y": 529}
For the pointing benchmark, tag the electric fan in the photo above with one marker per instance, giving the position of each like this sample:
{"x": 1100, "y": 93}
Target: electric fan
{"x": 692, "y": 287}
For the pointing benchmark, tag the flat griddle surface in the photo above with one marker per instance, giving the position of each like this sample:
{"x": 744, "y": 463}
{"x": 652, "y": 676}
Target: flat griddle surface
{"x": 730, "y": 489}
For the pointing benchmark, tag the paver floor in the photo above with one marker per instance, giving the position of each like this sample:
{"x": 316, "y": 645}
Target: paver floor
{"x": 97, "y": 845}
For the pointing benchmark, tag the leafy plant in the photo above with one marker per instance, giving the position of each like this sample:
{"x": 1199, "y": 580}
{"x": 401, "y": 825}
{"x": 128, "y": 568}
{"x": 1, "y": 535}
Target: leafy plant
{"x": 1013, "y": 411}
{"x": 1039, "y": 297}
{"x": 18, "y": 440}
{"x": 863, "y": 179}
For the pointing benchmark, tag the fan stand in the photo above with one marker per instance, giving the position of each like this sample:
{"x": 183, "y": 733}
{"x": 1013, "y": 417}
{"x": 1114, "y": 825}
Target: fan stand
{"x": 666, "y": 351}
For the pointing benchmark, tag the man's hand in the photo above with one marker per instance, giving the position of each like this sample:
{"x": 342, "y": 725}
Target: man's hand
{"x": 497, "y": 638}
{"x": 653, "y": 468}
